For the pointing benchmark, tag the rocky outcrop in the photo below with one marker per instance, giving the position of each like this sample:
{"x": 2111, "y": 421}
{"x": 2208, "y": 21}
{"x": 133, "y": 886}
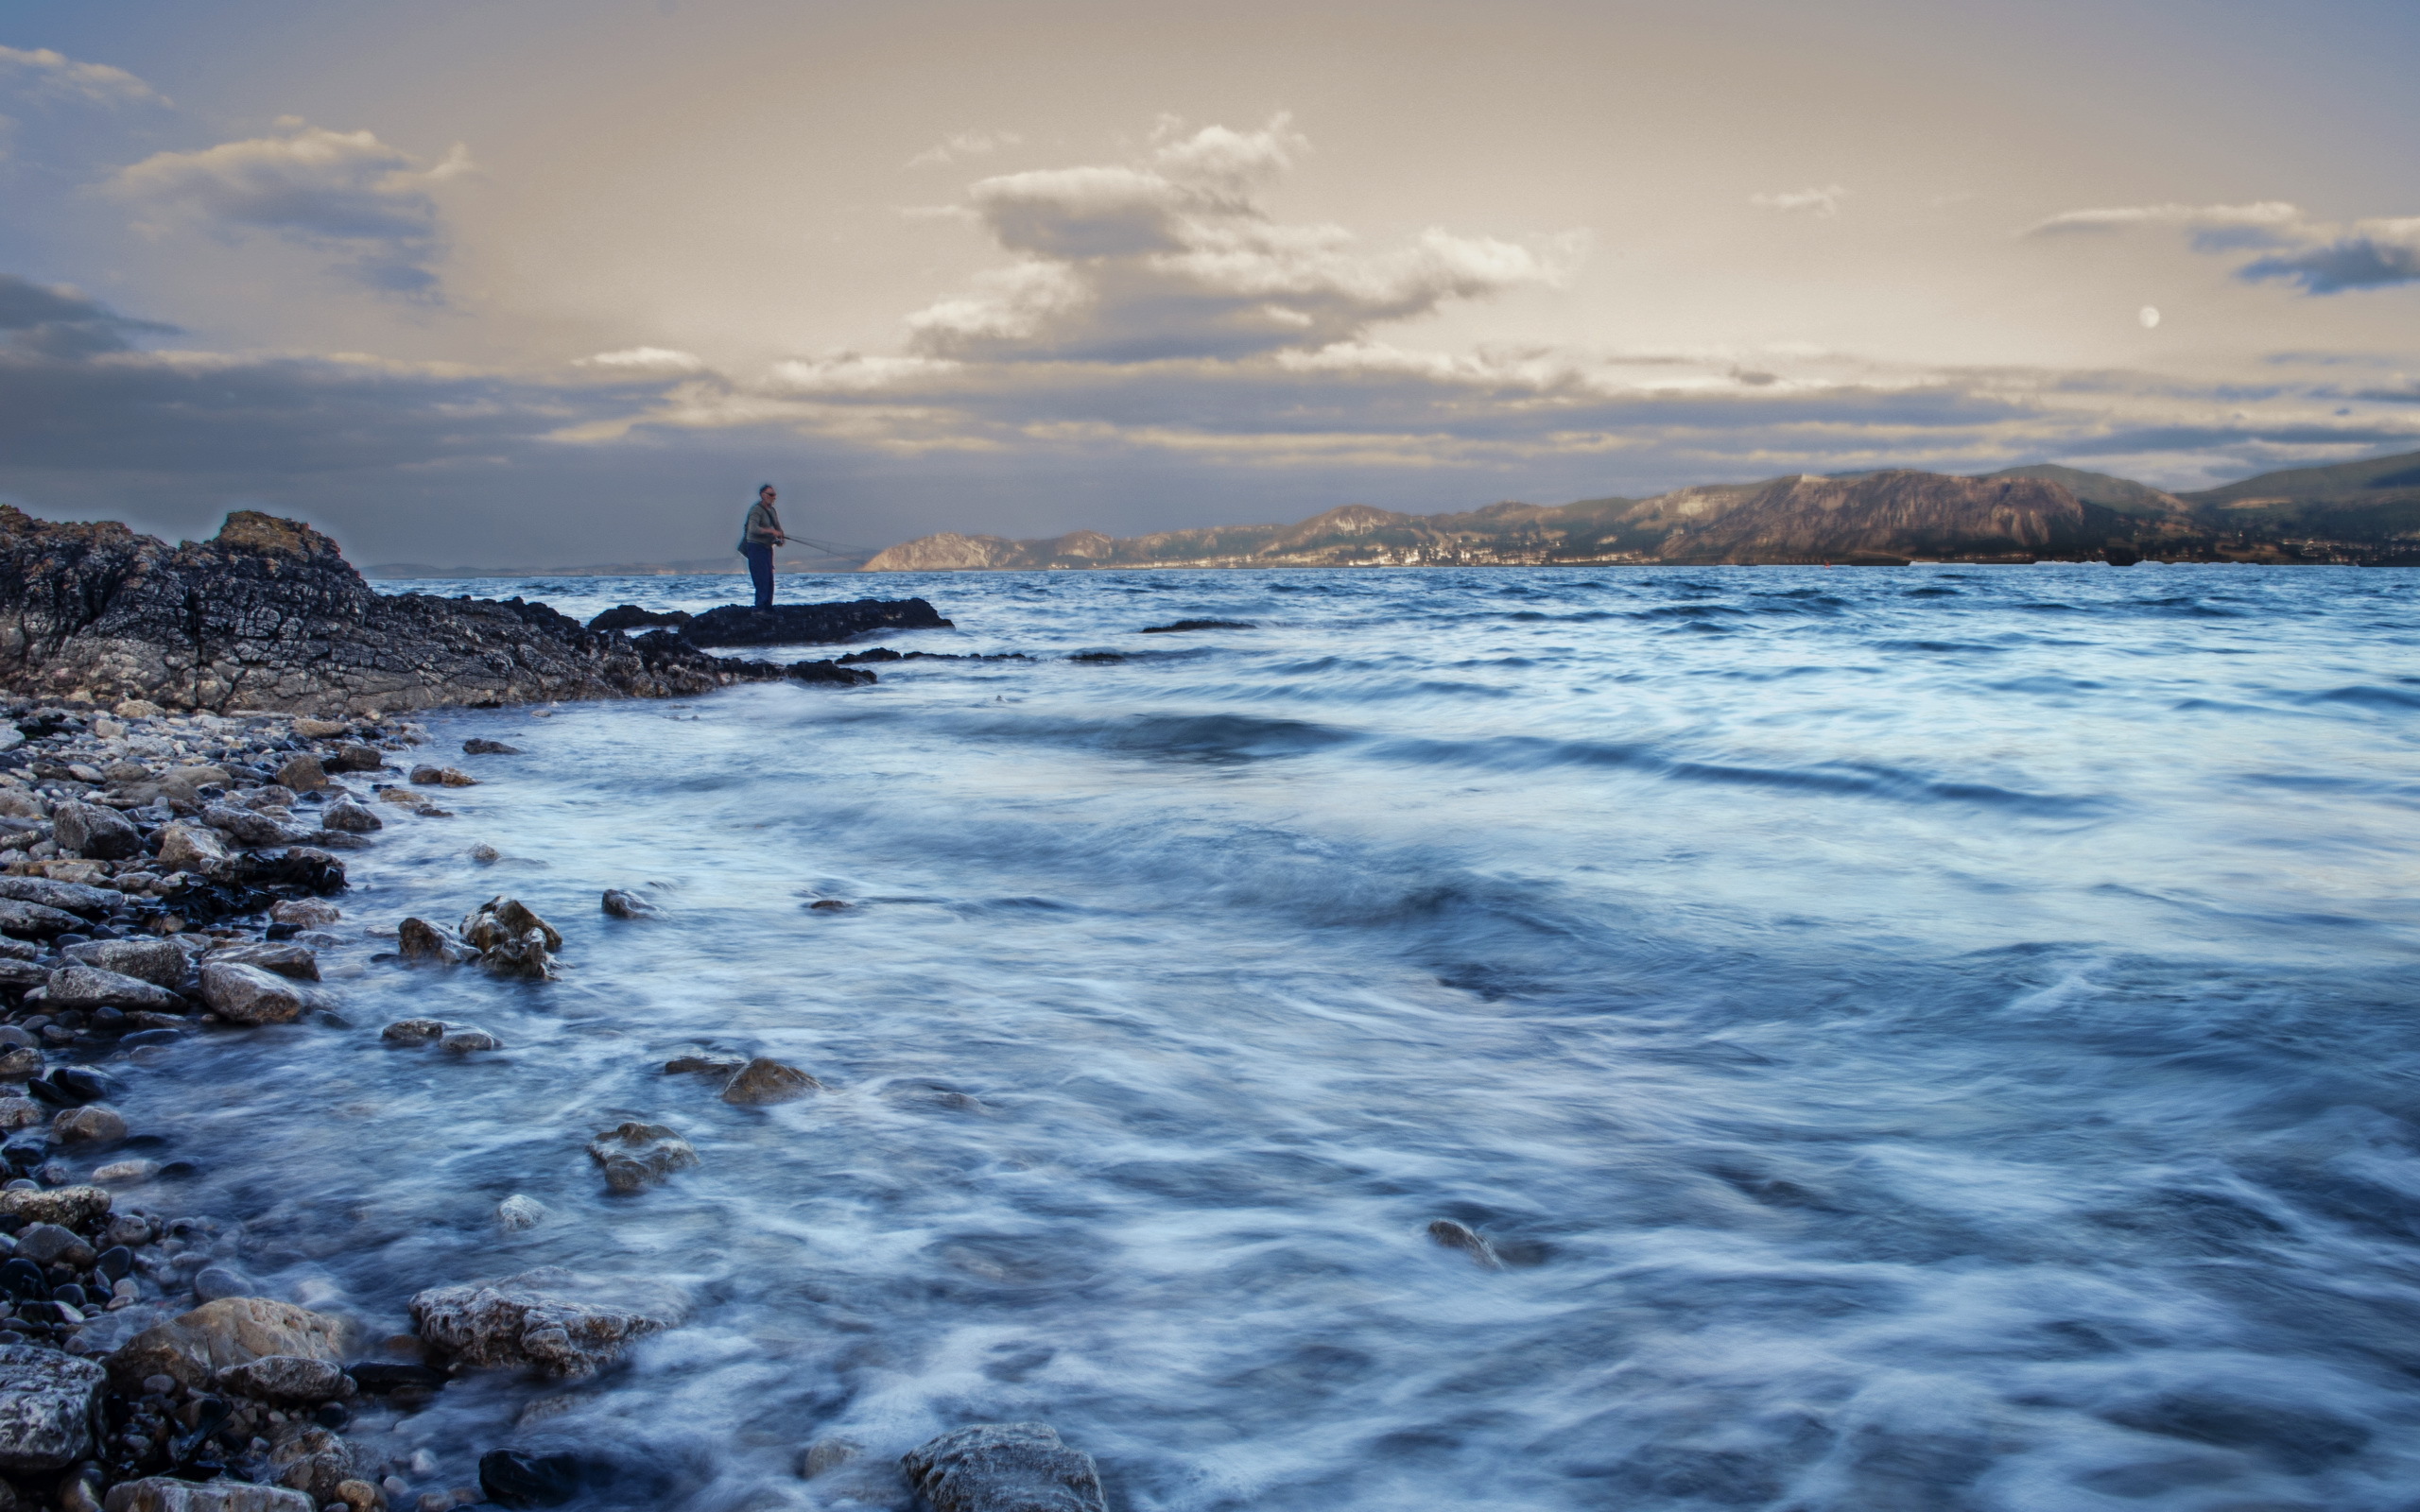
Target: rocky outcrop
{"x": 809, "y": 624}
{"x": 269, "y": 615}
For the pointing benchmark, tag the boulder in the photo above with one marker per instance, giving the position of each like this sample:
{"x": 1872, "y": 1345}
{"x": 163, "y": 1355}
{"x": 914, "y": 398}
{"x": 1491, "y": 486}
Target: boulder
{"x": 764, "y": 1081}
{"x": 502, "y": 919}
{"x": 92, "y": 1124}
{"x": 1004, "y": 1467}
{"x": 621, "y": 904}
{"x": 303, "y": 773}
{"x": 246, "y": 994}
{"x": 70, "y": 1207}
{"x": 413, "y": 1031}
{"x": 547, "y": 1319}
{"x": 464, "y": 1039}
{"x": 88, "y": 829}
{"x": 50, "y": 1408}
{"x": 284, "y": 1378}
{"x": 350, "y": 817}
{"x": 286, "y": 959}
{"x": 155, "y": 961}
{"x": 89, "y": 986}
{"x": 159, "y": 1493}
{"x": 356, "y": 757}
{"x": 525, "y": 957}
{"x": 193, "y": 848}
{"x": 636, "y": 1156}
{"x": 428, "y": 776}
{"x": 69, "y": 896}
{"x": 417, "y": 939}
{"x": 196, "y": 1346}
{"x": 306, "y": 913}
{"x": 478, "y": 747}
{"x": 34, "y": 922}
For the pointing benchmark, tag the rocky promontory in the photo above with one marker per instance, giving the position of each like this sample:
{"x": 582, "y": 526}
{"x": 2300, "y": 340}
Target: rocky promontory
{"x": 269, "y": 615}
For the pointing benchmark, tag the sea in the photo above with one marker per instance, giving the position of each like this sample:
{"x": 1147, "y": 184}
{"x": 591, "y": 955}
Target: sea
{"x": 1902, "y": 1039}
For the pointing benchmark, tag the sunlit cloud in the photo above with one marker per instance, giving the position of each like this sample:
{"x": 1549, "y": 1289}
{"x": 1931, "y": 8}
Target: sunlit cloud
{"x": 645, "y": 360}
{"x": 42, "y": 72}
{"x": 2323, "y": 257}
{"x": 964, "y": 145}
{"x": 1824, "y": 202}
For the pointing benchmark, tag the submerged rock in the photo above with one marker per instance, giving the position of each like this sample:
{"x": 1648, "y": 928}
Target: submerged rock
{"x": 621, "y": 904}
{"x": 513, "y": 1480}
{"x": 413, "y": 1031}
{"x": 463, "y": 1038}
{"x": 49, "y": 1404}
{"x": 433, "y": 776}
{"x": 476, "y": 746}
{"x": 194, "y": 1348}
{"x": 417, "y": 939}
{"x": 92, "y": 1124}
{"x": 1462, "y": 1237}
{"x": 1004, "y": 1467}
{"x": 518, "y": 1212}
{"x": 636, "y": 1156}
{"x": 547, "y": 1319}
{"x": 348, "y": 816}
{"x": 764, "y": 1081}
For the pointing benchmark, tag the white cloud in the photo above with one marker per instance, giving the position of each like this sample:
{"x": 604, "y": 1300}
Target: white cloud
{"x": 344, "y": 193}
{"x": 648, "y": 360}
{"x": 2323, "y": 257}
{"x": 1176, "y": 258}
{"x": 41, "y": 71}
{"x": 1824, "y": 202}
{"x": 964, "y": 145}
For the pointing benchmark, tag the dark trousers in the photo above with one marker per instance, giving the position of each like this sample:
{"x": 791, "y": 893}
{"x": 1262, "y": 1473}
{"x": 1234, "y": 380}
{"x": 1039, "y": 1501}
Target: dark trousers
{"x": 760, "y": 568}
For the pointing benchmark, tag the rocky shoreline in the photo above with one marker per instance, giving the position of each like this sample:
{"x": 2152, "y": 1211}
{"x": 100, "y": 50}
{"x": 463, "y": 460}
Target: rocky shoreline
{"x": 165, "y": 876}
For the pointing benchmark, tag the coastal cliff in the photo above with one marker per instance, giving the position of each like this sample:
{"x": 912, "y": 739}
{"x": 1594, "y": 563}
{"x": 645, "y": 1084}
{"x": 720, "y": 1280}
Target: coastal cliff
{"x": 269, "y": 615}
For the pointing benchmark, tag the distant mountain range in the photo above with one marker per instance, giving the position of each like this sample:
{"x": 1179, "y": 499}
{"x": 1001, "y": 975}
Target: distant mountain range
{"x": 2361, "y": 512}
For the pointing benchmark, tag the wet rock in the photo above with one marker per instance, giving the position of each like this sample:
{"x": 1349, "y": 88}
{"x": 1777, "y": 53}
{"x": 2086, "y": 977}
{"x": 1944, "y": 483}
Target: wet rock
{"x": 306, "y": 913}
{"x": 431, "y": 776}
{"x": 212, "y": 1282}
{"x": 193, "y": 848}
{"x": 92, "y": 1124}
{"x": 88, "y": 829}
{"x": 485, "y": 854}
{"x": 69, "y": 1207}
{"x": 89, "y": 986}
{"x": 246, "y": 994}
{"x": 295, "y": 865}
{"x": 721, "y": 1067}
{"x": 764, "y": 1081}
{"x": 286, "y": 959}
{"x": 621, "y": 904}
{"x": 126, "y": 1173}
{"x": 356, "y": 757}
{"x": 417, "y": 939}
{"x": 160, "y": 1494}
{"x": 246, "y": 827}
{"x": 524, "y": 958}
{"x": 1462, "y": 1237}
{"x": 462, "y": 1039}
{"x": 414, "y": 799}
{"x": 636, "y": 1156}
{"x": 50, "y": 1404}
{"x": 380, "y": 1380}
{"x": 17, "y": 1064}
{"x": 1004, "y": 1467}
{"x": 512, "y": 1480}
{"x": 196, "y": 1346}
{"x": 807, "y": 624}
{"x": 155, "y": 961}
{"x": 360, "y": 1496}
{"x": 413, "y": 1031}
{"x": 827, "y": 1454}
{"x": 501, "y": 919}
{"x": 349, "y": 817}
{"x": 47, "y": 1244}
{"x": 303, "y": 774}
{"x": 547, "y": 1319}
{"x": 478, "y": 747}
{"x": 34, "y": 922}
{"x": 287, "y": 1378}
{"x": 517, "y": 1212}
{"x": 313, "y": 1461}
{"x": 21, "y": 1112}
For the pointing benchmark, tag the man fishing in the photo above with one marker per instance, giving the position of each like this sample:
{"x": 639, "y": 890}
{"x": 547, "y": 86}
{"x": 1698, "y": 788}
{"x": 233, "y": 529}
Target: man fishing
{"x": 757, "y": 539}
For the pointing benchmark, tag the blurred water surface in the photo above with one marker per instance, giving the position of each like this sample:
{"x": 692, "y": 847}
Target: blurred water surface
{"x": 1931, "y": 1037}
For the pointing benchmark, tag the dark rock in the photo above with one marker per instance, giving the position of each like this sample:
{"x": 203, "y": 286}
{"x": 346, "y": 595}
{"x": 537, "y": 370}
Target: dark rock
{"x": 632, "y": 617}
{"x": 417, "y": 939}
{"x": 23, "y": 1278}
{"x": 549, "y": 1319}
{"x": 80, "y": 1084}
{"x": 287, "y": 1378}
{"x": 636, "y": 1156}
{"x": 621, "y": 904}
{"x": 70, "y": 897}
{"x": 1462, "y": 1237}
{"x": 1181, "y": 625}
{"x": 762, "y": 1082}
{"x": 1103, "y": 658}
{"x": 431, "y": 776}
{"x": 413, "y": 1032}
{"x": 155, "y": 961}
{"x": 49, "y": 1408}
{"x": 296, "y": 961}
{"x": 377, "y": 1379}
{"x": 96, "y": 833}
{"x": 116, "y": 1263}
{"x": 809, "y": 624}
{"x": 33, "y": 920}
{"x": 212, "y": 1282}
{"x": 1004, "y": 1467}
{"x": 299, "y": 866}
{"x": 478, "y": 747}
{"x": 47, "y": 1244}
{"x": 524, "y": 1480}
{"x": 829, "y": 671}
{"x": 302, "y": 774}
{"x": 356, "y": 757}
{"x": 89, "y": 986}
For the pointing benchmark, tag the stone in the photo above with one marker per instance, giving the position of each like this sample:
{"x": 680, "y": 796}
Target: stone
{"x": 475, "y": 746}
{"x": 485, "y": 854}
{"x": 502, "y": 919}
{"x": 310, "y": 729}
{"x": 303, "y": 773}
{"x": 511, "y": 1480}
{"x": 636, "y": 1156}
{"x": 462, "y": 1039}
{"x": 67, "y": 897}
{"x": 91, "y": 831}
{"x": 356, "y": 757}
{"x": 92, "y": 1124}
{"x": 50, "y": 1408}
{"x": 89, "y": 986}
{"x": 160, "y": 1493}
{"x": 287, "y": 1378}
{"x": 418, "y": 802}
{"x": 69, "y": 1207}
{"x": 349, "y": 817}
{"x": 724, "y": 1066}
{"x": 417, "y": 939}
{"x": 1004, "y": 1467}
{"x": 413, "y": 1031}
{"x": 764, "y": 1081}
{"x": 549, "y": 1319}
{"x": 137, "y": 709}
{"x": 621, "y": 904}
{"x": 212, "y": 1282}
{"x": 193, "y": 848}
{"x": 1460, "y": 1236}
{"x": 18, "y": 1064}
{"x": 526, "y": 959}
{"x": 155, "y": 961}
{"x": 246, "y": 994}
{"x": 286, "y": 958}
{"x": 47, "y": 1244}
{"x": 827, "y": 1454}
{"x": 246, "y": 827}
{"x": 517, "y": 1212}
{"x": 182, "y": 787}
{"x": 127, "y": 1173}
{"x": 315, "y": 1461}
{"x": 32, "y": 921}
{"x": 428, "y": 776}
{"x": 196, "y": 1346}
{"x": 306, "y": 913}
{"x": 361, "y": 1496}
{"x": 15, "y": 802}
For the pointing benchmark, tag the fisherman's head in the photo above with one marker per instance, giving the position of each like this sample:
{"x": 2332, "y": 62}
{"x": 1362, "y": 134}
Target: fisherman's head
{"x": 765, "y": 493}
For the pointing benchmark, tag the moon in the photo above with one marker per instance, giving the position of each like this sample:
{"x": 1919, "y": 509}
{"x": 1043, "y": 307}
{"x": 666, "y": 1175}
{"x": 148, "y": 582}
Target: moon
{"x": 2149, "y": 314}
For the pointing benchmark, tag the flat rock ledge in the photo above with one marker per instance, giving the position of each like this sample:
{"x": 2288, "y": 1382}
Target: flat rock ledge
{"x": 269, "y": 615}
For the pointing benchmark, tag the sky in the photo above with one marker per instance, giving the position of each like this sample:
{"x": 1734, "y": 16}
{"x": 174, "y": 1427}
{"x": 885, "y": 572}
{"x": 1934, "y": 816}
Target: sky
{"x": 560, "y": 282}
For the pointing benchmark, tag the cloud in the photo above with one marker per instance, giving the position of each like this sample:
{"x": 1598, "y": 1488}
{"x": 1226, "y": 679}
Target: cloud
{"x": 645, "y": 360}
{"x": 1175, "y": 257}
{"x": 964, "y": 145}
{"x": 346, "y": 194}
{"x": 59, "y": 322}
{"x": 2323, "y": 257}
{"x": 1824, "y": 202}
{"x": 44, "y": 73}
